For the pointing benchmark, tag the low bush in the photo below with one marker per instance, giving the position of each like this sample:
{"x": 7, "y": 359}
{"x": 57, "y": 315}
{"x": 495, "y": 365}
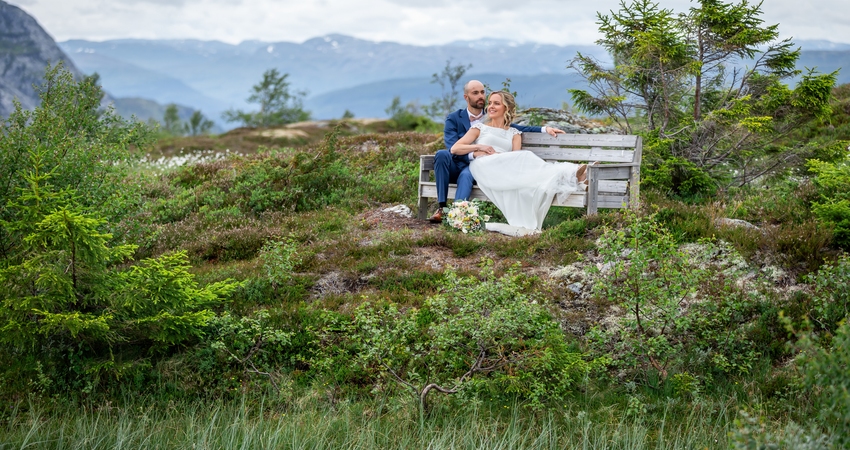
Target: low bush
{"x": 490, "y": 333}
{"x": 832, "y": 207}
{"x": 682, "y": 306}
{"x": 826, "y": 375}
{"x": 831, "y": 300}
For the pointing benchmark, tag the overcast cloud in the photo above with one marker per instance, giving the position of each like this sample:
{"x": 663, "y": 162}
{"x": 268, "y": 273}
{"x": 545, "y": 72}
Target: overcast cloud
{"x": 407, "y": 21}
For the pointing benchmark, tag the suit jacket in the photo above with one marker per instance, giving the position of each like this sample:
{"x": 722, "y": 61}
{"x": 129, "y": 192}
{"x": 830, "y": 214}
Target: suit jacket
{"x": 457, "y": 124}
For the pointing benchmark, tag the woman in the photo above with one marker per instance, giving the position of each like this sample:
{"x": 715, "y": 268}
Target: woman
{"x": 520, "y": 183}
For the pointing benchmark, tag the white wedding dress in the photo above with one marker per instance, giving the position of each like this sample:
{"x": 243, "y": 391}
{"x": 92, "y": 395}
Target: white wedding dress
{"x": 520, "y": 183}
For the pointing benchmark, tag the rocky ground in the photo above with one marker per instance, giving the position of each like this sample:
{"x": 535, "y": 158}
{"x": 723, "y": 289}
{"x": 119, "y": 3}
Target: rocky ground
{"x": 570, "y": 286}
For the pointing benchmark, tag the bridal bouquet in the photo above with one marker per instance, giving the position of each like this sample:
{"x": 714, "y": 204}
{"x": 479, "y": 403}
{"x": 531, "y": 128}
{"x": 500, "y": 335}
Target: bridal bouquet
{"x": 464, "y": 216}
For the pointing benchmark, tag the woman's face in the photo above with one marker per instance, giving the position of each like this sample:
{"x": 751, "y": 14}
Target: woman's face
{"x": 496, "y": 108}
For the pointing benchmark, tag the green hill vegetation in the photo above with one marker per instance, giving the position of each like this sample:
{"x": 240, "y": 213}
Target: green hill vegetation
{"x": 260, "y": 295}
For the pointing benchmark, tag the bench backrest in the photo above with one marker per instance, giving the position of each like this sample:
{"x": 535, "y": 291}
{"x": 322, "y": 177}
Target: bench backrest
{"x": 606, "y": 148}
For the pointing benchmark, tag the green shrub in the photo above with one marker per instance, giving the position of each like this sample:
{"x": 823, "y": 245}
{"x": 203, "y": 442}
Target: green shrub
{"x": 831, "y": 299}
{"x": 826, "y": 377}
{"x": 832, "y": 181}
{"x": 490, "y": 330}
{"x": 74, "y": 310}
{"x": 686, "y": 223}
{"x": 82, "y": 148}
{"x": 670, "y": 174}
{"x": 392, "y": 180}
{"x": 647, "y": 274}
{"x": 280, "y": 257}
{"x": 409, "y": 117}
{"x": 250, "y": 343}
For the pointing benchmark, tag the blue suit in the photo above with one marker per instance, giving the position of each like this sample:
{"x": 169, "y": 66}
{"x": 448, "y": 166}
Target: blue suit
{"x": 450, "y": 168}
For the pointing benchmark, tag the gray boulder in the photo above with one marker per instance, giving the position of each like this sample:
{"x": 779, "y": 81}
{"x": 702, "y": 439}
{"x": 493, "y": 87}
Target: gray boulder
{"x": 565, "y": 120}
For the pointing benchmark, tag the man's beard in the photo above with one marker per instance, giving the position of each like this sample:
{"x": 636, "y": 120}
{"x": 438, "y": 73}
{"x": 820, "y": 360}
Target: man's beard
{"x": 480, "y": 105}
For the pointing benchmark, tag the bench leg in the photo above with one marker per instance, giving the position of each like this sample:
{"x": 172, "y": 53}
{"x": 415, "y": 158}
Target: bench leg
{"x": 592, "y": 190}
{"x": 423, "y": 208}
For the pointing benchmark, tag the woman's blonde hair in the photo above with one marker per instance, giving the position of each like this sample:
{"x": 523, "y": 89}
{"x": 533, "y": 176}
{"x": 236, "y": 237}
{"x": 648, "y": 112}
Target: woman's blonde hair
{"x": 510, "y": 106}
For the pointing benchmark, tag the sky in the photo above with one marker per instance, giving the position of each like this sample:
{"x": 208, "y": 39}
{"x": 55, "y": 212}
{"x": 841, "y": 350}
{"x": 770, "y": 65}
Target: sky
{"x": 417, "y": 22}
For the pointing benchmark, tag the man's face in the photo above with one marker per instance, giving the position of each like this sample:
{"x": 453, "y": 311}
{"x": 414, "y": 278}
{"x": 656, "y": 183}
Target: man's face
{"x": 475, "y": 95}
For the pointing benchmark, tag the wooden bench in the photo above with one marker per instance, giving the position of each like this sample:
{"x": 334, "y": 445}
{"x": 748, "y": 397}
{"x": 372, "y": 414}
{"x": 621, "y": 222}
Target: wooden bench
{"x": 613, "y": 183}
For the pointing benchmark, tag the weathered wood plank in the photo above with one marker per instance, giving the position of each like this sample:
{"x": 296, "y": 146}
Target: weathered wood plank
{"x": 606, "y": 187}
{"x": 602, "y": 201}
{"x": 583, "y": 154}
{"x": 426, "y": 163}
{"x": 422, "y": 212}
{"x": 574, "y": 200}
{"x": 430, "y": 190}
{"x": 581, "y": 140}
{"x": 634, "y": 176}
{"x": 612, "y": 173}
{"x": 562, "y": 154}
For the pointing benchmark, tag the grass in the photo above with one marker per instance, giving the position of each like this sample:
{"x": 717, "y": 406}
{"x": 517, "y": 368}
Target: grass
{"x": 381, "y": 424}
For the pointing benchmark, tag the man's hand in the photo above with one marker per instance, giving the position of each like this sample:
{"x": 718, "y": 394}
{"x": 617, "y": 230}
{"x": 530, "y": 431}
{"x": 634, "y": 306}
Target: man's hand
{"x": 554, "y": 131}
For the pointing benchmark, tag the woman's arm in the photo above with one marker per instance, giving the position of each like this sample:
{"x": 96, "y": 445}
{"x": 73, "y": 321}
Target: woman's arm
{"x": 465, "y": 144}
{"x": 516, "y": 142}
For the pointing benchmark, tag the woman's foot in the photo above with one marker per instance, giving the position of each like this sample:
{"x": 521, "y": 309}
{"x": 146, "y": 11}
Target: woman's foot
{"x": 581, "y": 174}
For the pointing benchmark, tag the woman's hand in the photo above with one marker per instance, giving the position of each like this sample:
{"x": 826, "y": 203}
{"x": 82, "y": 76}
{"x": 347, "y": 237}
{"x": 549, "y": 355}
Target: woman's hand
{"x": 484, "y": 150}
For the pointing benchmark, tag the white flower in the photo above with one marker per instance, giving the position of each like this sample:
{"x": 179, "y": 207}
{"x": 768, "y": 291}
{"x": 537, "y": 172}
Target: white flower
{"x": 464, "y": 216}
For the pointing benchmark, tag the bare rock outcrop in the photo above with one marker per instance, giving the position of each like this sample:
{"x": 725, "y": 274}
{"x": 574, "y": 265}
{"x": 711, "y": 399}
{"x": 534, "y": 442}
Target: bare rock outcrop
{"x": 25, "y": 51}
{"x": 565, "y": 120}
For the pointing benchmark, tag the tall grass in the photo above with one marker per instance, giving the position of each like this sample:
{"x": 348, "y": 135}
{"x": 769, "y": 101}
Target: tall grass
{"x": 389, "y": 425}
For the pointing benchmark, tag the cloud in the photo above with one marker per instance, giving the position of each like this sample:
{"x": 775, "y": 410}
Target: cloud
{"x": 406, "y": 21}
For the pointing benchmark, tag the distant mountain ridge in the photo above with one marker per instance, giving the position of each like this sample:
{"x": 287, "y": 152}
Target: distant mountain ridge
{"x": 217, "y": 76}
{"x": 25, "y": 51}
{"x": 341, "y": 72}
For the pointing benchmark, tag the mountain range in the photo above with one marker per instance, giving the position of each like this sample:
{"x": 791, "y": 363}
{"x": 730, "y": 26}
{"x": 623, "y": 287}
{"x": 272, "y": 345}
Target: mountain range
{"x": 337, "y": 72}
{"x": 343, "y": 73}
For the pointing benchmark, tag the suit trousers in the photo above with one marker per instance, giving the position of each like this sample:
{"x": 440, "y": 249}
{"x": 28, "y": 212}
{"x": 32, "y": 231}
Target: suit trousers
{"x": 450, "y": 169}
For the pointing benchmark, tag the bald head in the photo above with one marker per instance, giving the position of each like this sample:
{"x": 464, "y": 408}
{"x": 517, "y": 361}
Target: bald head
{"x": 474, "y": 94}
{"x": 472, "y": 84}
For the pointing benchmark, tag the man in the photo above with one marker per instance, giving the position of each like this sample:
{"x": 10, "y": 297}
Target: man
{"x": 450, "y": 168}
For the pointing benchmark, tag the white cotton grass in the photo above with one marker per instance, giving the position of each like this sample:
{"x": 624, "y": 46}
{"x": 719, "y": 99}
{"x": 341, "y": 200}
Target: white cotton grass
{"x": 183, "y": 158}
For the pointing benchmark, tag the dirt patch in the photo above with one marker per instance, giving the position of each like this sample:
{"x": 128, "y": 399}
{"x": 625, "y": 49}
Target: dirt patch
{"x": 384, "y": 220}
